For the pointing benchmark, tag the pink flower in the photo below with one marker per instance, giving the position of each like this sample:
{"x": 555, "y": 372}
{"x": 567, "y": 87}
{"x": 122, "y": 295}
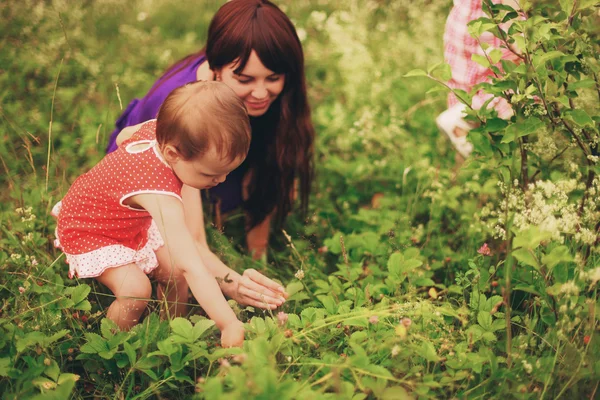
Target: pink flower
{"x": 485, "y": 250}
{"x": 282, "y": 318}
{"x": 374, "y": 319}
{"x": 21, "y": 289}
{"x": 406, "y": 322}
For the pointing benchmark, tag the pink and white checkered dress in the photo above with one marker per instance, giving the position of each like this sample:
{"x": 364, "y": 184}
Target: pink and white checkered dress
{"x": 459, "y": 46}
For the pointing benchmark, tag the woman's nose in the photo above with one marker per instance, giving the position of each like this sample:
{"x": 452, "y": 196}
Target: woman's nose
{"x": 260, "y": 93}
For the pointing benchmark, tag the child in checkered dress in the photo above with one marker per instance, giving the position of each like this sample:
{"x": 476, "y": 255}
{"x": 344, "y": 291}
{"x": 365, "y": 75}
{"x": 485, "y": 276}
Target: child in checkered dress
{"x": 459, "y": 47}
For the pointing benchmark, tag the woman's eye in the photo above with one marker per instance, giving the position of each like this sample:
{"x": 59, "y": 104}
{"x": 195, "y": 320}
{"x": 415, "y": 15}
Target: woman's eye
{"x": 244, "y": 81}
{"x": 274, "y": 78}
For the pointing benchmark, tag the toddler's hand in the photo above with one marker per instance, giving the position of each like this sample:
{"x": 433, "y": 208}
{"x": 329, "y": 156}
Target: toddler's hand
{"x": 232, "y": 335}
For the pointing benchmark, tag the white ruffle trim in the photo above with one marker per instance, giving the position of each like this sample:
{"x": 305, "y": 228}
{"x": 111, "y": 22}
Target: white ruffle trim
{"x": 94, "y": 263}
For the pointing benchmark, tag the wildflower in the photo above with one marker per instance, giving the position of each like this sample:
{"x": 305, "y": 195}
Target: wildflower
{"x": 586, "y": 339}
{"x": 527, "y": 366}
{"x": 485, "y": 250}
{"x": 224, "y": 363}
{"x": 407, "y": 322}
{"x": 288, "y": 333}
{"x": 21, "y": 289}
{"x": 395, "y": 350}
{"x": 34, "y": 262}
{"x": 15, "y": 256}
{"x": 282, "y": 318}
{"x": 569, "y": 288}
{"x": 373, "y": 319}
{"x": 323, "y": 249}
{"x": 594, "y": 276}
{"x": 299, "y": 274}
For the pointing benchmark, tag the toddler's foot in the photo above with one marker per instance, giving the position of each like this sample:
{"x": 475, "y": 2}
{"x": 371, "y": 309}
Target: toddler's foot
{"x": 452, "y": 123}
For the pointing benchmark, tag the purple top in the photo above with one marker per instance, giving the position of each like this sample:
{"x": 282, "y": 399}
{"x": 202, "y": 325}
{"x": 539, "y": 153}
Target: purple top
{"x": 230, "y": 191}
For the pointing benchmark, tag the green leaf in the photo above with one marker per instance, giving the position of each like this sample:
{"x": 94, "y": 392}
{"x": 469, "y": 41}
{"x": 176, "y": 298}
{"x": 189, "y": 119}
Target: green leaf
{"x": 95, "y": 344}
{"x": 498, "y": 325}
{"x": 521, "y": 128}
{"x": 131, "y": 354}
{"x": 484, "y": 319}
{"x": 415, "y": 72}
{"x": 481, "y": 60}
{"x": 495, "y": 124}
{"x": 311, "y": 314}
{"x": 328, "y": 303}
{"x": 531, "y": 238}
{"x": 544, "y": 58}
{"x": 567, "y": 5}
{"x": 437, "y": 88}
{"x": 108, "y": 328}
{"x": 557, "y": 255}
{"x": 584, "y": 83}
{"x": 182, "y": 327}
{"x": 5, "y": 366}
{"x": 495, "y": 55}
{"x": 442, "y": 72}
{"x": 396, "y": 393}
{"x": 80, "y": 293}
{"x": 52, "y": 371}
{"x": 201, "y": 327}
{"x": 580, "y": 117}
{"x": 525, "y": 256}
{"x": 427, "y": 351}
{"x": 294, "y": 287}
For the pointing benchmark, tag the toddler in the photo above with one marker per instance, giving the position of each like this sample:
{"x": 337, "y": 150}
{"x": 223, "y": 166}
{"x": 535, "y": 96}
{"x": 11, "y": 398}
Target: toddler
{"x": 124, "y": 221}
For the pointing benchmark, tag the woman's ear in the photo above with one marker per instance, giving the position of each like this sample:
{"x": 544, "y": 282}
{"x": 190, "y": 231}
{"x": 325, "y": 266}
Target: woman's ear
{"x": 171, "y": 154}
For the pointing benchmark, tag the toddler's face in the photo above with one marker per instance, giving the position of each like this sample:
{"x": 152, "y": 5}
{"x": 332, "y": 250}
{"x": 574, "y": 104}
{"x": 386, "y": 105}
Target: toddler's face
{"x": 204, "y": 171}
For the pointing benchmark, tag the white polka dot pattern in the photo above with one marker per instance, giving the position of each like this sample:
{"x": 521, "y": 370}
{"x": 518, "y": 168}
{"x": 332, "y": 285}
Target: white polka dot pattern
{"x": 94, "y": 230}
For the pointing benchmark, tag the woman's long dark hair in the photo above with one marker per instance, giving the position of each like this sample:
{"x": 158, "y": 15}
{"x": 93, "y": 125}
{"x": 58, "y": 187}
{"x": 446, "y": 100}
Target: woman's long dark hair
{"x": 282, "y": 139}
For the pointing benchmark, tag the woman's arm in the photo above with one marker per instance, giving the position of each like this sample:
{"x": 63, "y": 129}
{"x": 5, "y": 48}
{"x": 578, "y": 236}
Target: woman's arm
{"x": 252, "y": 288}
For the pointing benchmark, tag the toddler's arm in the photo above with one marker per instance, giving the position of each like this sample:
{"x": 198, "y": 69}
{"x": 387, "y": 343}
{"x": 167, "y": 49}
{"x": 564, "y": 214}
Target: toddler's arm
{"x": 252, "y": 288}
{"x": 167, "y": 212}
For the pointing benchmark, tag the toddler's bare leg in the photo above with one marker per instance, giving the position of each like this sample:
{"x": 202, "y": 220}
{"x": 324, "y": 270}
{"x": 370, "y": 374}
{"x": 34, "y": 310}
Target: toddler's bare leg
{"x": 132, "y": 289}
{"x": 172, "y": 285}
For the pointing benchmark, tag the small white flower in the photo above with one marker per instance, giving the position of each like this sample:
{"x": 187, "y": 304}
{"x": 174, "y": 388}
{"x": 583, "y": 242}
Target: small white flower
{"x": 299, "y": 274}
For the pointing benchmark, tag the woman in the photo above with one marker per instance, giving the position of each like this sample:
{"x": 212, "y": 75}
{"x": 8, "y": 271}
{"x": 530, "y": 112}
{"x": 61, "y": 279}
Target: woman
{"x": 252, "y": 47}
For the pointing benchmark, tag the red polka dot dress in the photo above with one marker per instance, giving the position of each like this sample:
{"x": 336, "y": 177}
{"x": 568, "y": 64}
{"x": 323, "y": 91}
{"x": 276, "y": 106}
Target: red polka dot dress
{"x": 95, "y": 229}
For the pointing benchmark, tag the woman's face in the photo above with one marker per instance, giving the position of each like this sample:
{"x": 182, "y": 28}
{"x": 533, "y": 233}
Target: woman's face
{"x": 256, "y": 85}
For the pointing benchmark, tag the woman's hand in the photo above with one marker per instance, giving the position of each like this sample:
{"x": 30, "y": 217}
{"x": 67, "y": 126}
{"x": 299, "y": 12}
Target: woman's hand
{"x": 232, "y": 335}
{"x": 256, "y": 290}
